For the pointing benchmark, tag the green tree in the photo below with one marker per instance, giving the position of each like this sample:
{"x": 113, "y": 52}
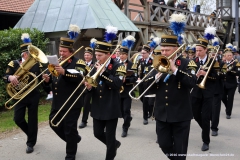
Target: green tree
{"x": 10, "y": 41}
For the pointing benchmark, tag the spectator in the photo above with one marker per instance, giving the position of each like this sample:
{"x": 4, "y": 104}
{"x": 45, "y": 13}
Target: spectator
{"x": 171, "y": 3}
{"x": 161, "y": 2}
{"x": 183, "y": 5}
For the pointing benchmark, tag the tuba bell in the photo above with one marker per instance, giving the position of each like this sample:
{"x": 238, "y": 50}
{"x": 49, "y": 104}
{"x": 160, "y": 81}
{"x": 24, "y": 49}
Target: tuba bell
{"x": 35, "y": 56}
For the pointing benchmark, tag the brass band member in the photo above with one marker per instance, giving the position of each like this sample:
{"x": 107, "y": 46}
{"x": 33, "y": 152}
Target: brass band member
{"x": 202, "y": 99}
{"x": 128, "y": 82}
{"x": 143, "y": 65}
{"x": 88, "y": 56}
{"x": 106, "y": 108}
{"x": 230, "y": 69}
{"x": 172, "y": 110}
{"x": 30, "y": 102}
{"x": 62, "y": 87}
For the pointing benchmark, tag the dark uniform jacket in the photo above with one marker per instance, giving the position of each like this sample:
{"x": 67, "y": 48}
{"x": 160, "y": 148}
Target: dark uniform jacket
{"x": 172, "y": 102}
{"x": 130, "y": 80}
{"x": 13, "y": 67}
{"x": 64, "y": 85}
{"x": 106, "y": 96}
{"x": 229, "y": 78}
{"x": 210, "y": 81}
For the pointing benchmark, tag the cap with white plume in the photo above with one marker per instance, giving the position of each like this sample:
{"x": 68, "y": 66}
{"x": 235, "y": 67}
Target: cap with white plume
{"x": 26, "y": 40}
{"x": 127, "y": 44}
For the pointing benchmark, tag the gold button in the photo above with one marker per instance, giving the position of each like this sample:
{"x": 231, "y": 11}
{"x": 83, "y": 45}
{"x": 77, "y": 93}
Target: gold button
{"x": 55, "y": 82}
{"x": 166, "y": 84}
{"x": 55, "y": 87}
{"x": 55, "y": 93}
{"x": 100, "y": 96}
{"x": 166, "y": 97}
{"x": 166, "y": 90}
{"x": 100, "y": 91}
{"x": 166, "y": 104}
{"x": 109, "y": 88}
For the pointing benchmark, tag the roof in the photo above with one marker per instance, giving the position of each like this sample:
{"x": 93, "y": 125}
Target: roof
{"x": 57, "y": 15}
{"x": 17, "y": 6}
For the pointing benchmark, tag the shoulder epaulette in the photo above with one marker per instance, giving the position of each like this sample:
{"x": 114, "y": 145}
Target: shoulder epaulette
{"x": 216, "y": 65}
{"x": 11, "y": 64}
{"x": 192, "y": 64}
{"x": 121, "y": 69}
{"x": 80, "y": 61}
{"x": 238, "y": 64}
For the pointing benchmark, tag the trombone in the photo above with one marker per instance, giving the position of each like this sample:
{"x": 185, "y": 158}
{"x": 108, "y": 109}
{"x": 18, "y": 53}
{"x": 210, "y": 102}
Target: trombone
{"x": 51, "y": 70}
{"x": 82, "y": 82}
{"x": 202, "y": 84}
{"x": 161, "y": 64}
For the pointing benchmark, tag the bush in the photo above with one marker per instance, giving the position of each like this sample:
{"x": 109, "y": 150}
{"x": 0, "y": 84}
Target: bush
{"x": 10, "y": 41}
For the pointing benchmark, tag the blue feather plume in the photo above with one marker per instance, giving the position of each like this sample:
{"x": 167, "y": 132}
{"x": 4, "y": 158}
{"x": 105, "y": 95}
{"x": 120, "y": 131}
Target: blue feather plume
{"x": 177, "y": 27}
{"x": 128, "y": 41}
{"x": 25, "y": 38}
{"x": 234, "y": 49}
{"x": 180, "y": 39}
{"x": 194, "y": 49}
{"x": 110, "y": 34}
{"x": 215, "y": 43}
{"x": 209, "y": 36}
{"x": 93, "y": 42}
{"x": 188, "y": 47}
{"x": 152, "y": 44}
{"x": 124, "y": 43}
{"x": 72, "y": 34}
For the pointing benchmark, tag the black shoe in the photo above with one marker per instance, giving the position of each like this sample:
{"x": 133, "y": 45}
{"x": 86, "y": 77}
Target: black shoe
{"x": 214, "y": 133}
{"x": 83, "y": 125}
{"x": 124, "y": 134}
{"x": 228, "y": 116}
{"x": 117, "y": 145}
{"x": 205, "y": 147}
{"x": 149, "y": 115}
{"x": 145, "y": 122}
{"x": 29, "y": 149}
{"x": 79, "y": 138}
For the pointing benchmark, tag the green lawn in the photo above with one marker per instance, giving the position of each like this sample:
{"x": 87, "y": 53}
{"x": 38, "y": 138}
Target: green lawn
{"x": 6, "y": 117}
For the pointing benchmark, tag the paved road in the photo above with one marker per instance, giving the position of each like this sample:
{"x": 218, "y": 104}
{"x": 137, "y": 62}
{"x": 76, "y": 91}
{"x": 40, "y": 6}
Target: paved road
{"x": 139, "y": 145}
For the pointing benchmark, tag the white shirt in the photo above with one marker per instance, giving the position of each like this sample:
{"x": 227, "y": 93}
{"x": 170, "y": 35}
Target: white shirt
{"x": 88, "y": 63}
{"x": 203, "y": 60}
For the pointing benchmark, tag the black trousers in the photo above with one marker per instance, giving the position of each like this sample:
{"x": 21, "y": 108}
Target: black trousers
{"x": 202, "y": 108}
{"x": 126, "y": 112}
{"x": 67, "y": 130}
{"x": 227, "y": 99}
{"x": 87, "y": 106}
{"x": 147, "y": 107}
{"x": 216, "y": 108}
{"x": 173, "y": 138}
{"x": 108, "y": 137}
{"x": 30, "y": 128}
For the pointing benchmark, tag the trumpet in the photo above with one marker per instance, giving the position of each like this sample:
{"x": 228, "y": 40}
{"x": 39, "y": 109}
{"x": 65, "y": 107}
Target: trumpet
{"x": 162, "y": 65}
{"x": 51, "y": 70}
{"x": 82, "y": 82}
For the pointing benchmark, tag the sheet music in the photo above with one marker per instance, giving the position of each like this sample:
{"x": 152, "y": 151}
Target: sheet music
{"x": 72, "y": 71}
{"x": 53, "y": 60}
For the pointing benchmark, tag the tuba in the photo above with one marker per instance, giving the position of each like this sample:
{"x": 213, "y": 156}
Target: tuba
{"x": 35, "y": 56}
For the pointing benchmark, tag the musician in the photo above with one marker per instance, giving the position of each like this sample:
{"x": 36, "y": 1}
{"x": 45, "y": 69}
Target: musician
{"x": 143, "y": 65}
{"x": 202, "y": 99}
{"x": 172, "y": 110}
{"x": 128, "y": 83}
{"x": 30, "y": 102}
{"x": 218, "y": 92}
{"x": 229, "y": 81}
{"x": 88, "y": 56}
{"x": 106, "y": 108}
{"x": 63, "y": 86}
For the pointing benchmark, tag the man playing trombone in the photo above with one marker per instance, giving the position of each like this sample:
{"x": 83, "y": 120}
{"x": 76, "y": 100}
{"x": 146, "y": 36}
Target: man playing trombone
{"x": 106, "y": 108}
{"x": 173, "y": 112}
{"x": 63, "y": 86}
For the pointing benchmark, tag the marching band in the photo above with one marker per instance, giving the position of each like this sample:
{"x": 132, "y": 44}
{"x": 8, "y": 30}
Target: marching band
{"x": 185, "y": 87}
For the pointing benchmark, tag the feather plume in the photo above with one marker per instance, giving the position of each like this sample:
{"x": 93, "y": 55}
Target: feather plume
{"x": 177, "y": 24}
{"x": 151, "y": 37}
{"x": 229, "y": 45}
{"x": 155, "y": 42}
{"x": 25, "y": 38}
{"x": 188, "y": 47}
{"x": 194, "y": 47}
{"x": 73, "y": 31}
{"x": 110, "y": 33}
{"x": 128, "y": 41}
{"x": 93, "y": 43}
{"x": 210, "y": 32}
{"x": 215, "y": 41}
{"x": 234, "y": 49}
